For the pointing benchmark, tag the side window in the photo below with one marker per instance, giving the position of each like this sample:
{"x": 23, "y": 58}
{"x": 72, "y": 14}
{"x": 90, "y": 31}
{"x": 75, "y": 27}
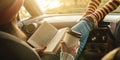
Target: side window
{"x": 24, "y": 14}
{"x": 65, "y": 6}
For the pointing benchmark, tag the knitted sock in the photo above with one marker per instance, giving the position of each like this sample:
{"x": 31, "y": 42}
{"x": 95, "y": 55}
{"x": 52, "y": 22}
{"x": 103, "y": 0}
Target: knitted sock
{"x": 92, "y": 6}
{"x": 102, "y": 12}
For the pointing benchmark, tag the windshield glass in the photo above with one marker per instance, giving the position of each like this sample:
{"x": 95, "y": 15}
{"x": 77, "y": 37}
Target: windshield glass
{"x": 49, "y": 7}
{"x": 65, "y": 6}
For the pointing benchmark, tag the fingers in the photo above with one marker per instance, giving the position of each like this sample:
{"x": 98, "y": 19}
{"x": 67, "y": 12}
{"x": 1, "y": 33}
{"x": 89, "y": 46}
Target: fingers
{"x": 63, "y": 46}
{"x": 76, "y": 45}
{"x": 63, "y": 43}
{"x": 71, "y": 50}
{"x": 40, "y": 49}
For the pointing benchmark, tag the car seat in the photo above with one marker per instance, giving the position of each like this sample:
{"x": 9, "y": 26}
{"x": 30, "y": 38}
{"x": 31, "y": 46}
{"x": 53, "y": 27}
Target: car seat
{"x": 12, "y": 48}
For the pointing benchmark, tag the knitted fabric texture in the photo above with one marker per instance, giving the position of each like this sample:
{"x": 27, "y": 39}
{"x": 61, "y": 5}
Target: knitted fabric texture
{"x": 102, "y": 12}
{"x": 92, "y": 6}
{"x": 9, "y": 9}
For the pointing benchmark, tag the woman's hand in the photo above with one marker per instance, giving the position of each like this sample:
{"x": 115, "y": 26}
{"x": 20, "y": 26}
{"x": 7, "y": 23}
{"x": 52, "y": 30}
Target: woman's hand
{"x": 71, "y": 50}
{"x": 40, "y": 50}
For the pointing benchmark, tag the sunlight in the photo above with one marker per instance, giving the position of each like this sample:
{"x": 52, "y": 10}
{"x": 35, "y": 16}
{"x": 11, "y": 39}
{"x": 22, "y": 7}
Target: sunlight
{"x": 54, "y": 4}
{"x": 48, "y": 4}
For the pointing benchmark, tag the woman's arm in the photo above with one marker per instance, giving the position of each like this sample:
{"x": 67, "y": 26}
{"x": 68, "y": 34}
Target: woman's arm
{"x": 68, "y": 53}
{"x": 66, "y": 56}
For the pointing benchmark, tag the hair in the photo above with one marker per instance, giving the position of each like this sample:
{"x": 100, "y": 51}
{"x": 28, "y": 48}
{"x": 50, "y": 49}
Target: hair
{"x": 13, "y": 29}
{"x": 9, "y": 10}
{"x": 8, "y": 21}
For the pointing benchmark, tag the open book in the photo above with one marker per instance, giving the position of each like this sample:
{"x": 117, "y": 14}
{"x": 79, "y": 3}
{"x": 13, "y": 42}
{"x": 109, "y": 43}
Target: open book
{"x": 47, "y": 35}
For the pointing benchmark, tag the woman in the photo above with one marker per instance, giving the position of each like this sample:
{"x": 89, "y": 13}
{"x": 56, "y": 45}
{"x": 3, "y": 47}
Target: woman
{"x": 8, "y": 23}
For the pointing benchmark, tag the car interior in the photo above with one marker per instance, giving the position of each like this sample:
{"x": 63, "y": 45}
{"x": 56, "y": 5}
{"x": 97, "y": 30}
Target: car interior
{"x": 100, "y": 41}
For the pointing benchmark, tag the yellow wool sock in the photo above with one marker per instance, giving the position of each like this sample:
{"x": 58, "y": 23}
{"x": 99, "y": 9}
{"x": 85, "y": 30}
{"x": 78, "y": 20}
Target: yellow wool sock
{"x": 102, "y": 12}
{"x": 92, "y": 6}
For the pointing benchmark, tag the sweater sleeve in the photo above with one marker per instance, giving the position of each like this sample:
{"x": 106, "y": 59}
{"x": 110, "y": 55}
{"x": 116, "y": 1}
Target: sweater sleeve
{"x": 66, "y": 56}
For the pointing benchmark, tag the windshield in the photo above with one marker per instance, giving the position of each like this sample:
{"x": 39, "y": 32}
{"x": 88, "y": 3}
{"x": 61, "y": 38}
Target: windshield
{"x": 65, "y": 6}
{"x": 47, "y": 7}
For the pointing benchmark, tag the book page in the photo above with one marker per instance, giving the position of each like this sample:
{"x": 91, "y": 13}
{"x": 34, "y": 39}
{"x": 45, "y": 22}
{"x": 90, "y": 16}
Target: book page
{"x": 42, "y": 36}
{"x": 53, "y": 45}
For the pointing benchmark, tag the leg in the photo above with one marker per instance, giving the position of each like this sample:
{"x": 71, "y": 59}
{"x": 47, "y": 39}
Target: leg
{"x": 87, "y": 24}
{"x": 84, "y": 28}
{"x": 106, "y": 9}
{"x": 92, "y": 6}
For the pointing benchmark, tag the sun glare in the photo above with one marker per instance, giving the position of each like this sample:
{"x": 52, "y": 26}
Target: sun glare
{"x": 54, "y": 4}
{"x": 45, "y": 4}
